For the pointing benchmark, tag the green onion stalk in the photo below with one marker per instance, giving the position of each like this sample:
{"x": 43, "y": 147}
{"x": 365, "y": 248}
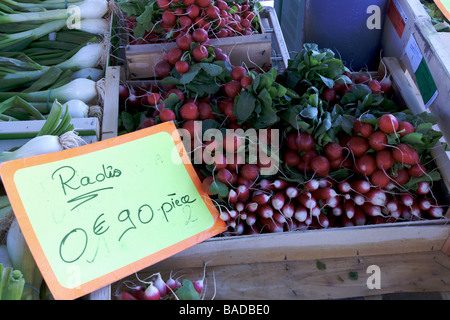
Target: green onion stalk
{"x": 12, "y": 283}
{"x": 46, "y": 4}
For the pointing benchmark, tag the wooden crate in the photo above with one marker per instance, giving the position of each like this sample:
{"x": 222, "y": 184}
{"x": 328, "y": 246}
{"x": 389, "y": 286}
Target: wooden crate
{"x": 412, "y": 256}
{"x": 262, "y": 49}
{"x": 409, "y": 34}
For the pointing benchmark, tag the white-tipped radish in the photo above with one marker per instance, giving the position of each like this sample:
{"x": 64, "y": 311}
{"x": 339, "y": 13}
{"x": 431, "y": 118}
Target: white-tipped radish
{"x": 292, "y": 192}
{"x": 301, "y": 213}
{"x": 361, "y": 186}
{"x": 371, "y": 210}
{"x": 265, "y": 211}
{"x": 324, "y": 193}
{"x": 152, "y": 293}
{"x": 307, "y": 201}
{"x": 349, "y": 208}
{"x": 377, "y": 197}
{"x": 344, "y": 187}
{"x": 288, "y": 210}
{"x": 278, "y": 200}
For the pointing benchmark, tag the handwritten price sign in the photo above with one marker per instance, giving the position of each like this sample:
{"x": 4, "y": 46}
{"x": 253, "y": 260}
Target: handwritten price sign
{"x": 95, "y": 214}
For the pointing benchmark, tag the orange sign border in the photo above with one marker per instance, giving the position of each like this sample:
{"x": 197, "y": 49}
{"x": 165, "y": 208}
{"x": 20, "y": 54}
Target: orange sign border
{"x": 443, "y": 9}
{"x": 8, "y": 170}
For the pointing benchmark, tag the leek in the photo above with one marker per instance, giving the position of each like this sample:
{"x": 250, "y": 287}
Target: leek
{"x": 81, "y": 89}
{"x": 88, "y": 9}
{"x": 12, "y": 284}
{"x": 39, "y": 4}
{"x": 77, "y": 108}
{"x": 22, "y": 259}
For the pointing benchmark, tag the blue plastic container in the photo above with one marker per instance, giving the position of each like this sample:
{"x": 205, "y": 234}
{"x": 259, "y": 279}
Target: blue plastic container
{"x": 342, "y": 25}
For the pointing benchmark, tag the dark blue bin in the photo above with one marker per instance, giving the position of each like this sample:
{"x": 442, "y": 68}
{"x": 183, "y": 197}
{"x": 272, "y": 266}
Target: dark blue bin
{"x": 341, "y": 25}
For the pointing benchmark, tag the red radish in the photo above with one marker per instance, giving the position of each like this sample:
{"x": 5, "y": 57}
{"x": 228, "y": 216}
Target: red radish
{"x": 376, "y": 197}
{"x": 361, "y": 186}
{"x": 378, "y": 141}
{"x": 309, "y": 155}
{"x": 279, "y": 184}
{"x": 224, "y": 176}
{"x": 232, "y": 195}
{"x": 198, "y": 286}
{"x": 237, "y": 73}
{"x": 415, "y": 210}
{"x": 304, "y": 141}
{"x": 307, "y": 201}
{"x": 366, "y": 164}
{"x": 384, "y": 160}
{"x": 239, "y": 206}
{"x": 333, "y": 202}
{"x": 346, "y": 222}
{"x": 326, "y": 183}
{"x": 291, "y": 141}
{"x": 162, "y": 69}
{"x": 200, "y": 52}
{"x": 291, "y": 192}
{"x": 243, "y": 193}
{"x": 329, "y": 95}
{"x": 174, "y": 55}
{"x": 193, "y": 11}
{"x": 265, "y": 211}
{"x": 380, "y": 179}
{"x": 406, "y": 213}
{"x": 189, "y": 111}
{"x": 417, "y": 171}
{"x": 405, "y": 128}
{"x": 224, "y": 216}
{"x": 388, "y": 123}
{"x": 405, "y": 154}
{"x": 246, "y": 81}
{"x": 185, "y": 22}
{"x": 362, "y": 128}
{"x": 278, "y": 200}
{"x": 311, "y": 185}
{"x": 233, "y": 214}
{"x": 358, "y": 145}
{"x": 152, "y": 293}
{"x": 292, "y": 159}
{"x": 205, "y": 111}
{"x": 204, "y": 3}
{"x": 424, "y": 204}
{"x": 252, "y": 207}
{"x": 359, "y": 199}
{"x": 182, "y": 67}
{"x": 402, "y": 177}
{"x": 375, "y": 86}
{"x": 423, "y": 188}
{"x": 138, "y": 293}
{"x": 386, "y": 85}
{"x": 301, "y": 213}
{"x": 392, "y": 204}
{"x": 271, "y": 226}
{"x": 266, "y": 185}
{"x": 324, "y": 194}
{"x": 200, "y": 35}
{"x": 407, "y": 199}
{"x": 288, "y": 210}
{"x": 323, "y": 221}
{"x": 166, "y": 115}
{"x": 250, "y": 171}
{"x": 362, "y": 78}
{"x": 261, "y": 198}
{"x": 163, "y": 4}
{"x": 184, "y": 41}
{"x": 124, "y": 93}
{"x": 338, "y": 211}
{"x": 359, "y": 219}
{"x": 232, "y": 89}
{"x": 126, "y": 296}
{"x": 344, "y": 187}
{"x": 333, "y": 151}
{"x": 251, "y": 219}
{"x": 279, "y": 218}
{"x": 349, "y": 208}
{"x": 436, "y": 212}
{"x": 320, "y": 166}
{"x": 160, "y": 285}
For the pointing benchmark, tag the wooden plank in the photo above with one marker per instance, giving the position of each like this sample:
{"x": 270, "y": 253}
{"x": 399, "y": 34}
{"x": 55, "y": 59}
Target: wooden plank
{"x": 101, "y": 294}
{"x": 111, "y": 104}
{"x": 302, "y": 280}
{"x": 313, "y": 244}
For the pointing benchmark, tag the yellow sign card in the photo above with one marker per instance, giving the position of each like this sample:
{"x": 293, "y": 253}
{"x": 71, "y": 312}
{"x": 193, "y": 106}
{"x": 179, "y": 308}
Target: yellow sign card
{"x": 98, "y": 213}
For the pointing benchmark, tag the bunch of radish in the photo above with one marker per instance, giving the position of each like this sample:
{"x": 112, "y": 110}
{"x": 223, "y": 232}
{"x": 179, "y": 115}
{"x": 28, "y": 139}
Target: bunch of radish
{"x": 171, "y": 19}
{"x": 158, "y": 289}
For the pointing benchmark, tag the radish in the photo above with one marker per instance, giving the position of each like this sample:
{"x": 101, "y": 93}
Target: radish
{"x": 307, "y": 201}
{"x": 388, "y": 123}
{"x": 333, "y": 202}
{"x": 320, "y": 166}
{"x": 311, "y": 185}
{"x": 324, "y": 194}
{"x": 250, "y": 171}
{"x": 261, "y": 198}
{"x": 233, "y": 214}
{"x": 237, "y": 73}
{"x": 189, "y": 111}
{"x": 392, "y": 204}
{"x": 200, "y": 35}
{"x": 291, "y": 192}
{"x": 366, "y": 164}
{"x": 126, "y": 296}
{"x": 359, "y": 219}
{"x": 279, "y": 218}
{"x": 362, "y": 78}
{"x": 251, "y": 219}
{"x": 407, "y": 199}
{"x": 404, "y": 128}
{"x": 424, "y": 204}
{"x": 333, "y": 151}
{"x": 349, "y": 208}
{"x": 160, "y": 285}
{"x": 375, "y": 86}
{"x": 152, "y": 293}
{"x": 252, "y": 207}
{"x": 205, "y": 111}
{"x": 380, "y": 179}
{"x": 384, "y": 160}
{"x": 278, "y": 200}
{"x": 266, "y": 185}
{"x": 436, "y": 212}
{"x": 291, "y": 141}
{"x": 184, "y": 41}
{"x": 288, "y": 210}
{"x": 329, "y": 95}
{"x": 243, "y": 193}
{"x": 371, "y": 209}
{"x": 338, "y": 211}
{"x": 405, "y": 154}
{"x": 346, "y": 222}
{"x": 417, "y": 170}
{"x": 344, "y": 187}
{"x": 304, "y": 141}
{"x": 232, "y": 88}
{"x": 359, "y": 199}
{"x": 182, "y": 67}
{"x": 323, "y": 220}
{"x": 279, "y": 184}
{"x": 402, "y": 177}
{"x": 361, "y": 186}
{"x": 301, "y": 213}
{"x": 162, "y": 69}
{"x": 265, "y": 211}
{"x": 386, "y": 85}
{"x": 271, "y": 226}
{"x": 423, "y": 188}
{"x": 239, "y": 206}
{"x": 200, "y": 52}
{"x": 174, "y": 55}
{"x": 362, "y": 128}
{"x": 358, "y": 145}
{"x": 291, "y": 158}
{"x": 376, "y": 197}
{"x": 378, "y": 141}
